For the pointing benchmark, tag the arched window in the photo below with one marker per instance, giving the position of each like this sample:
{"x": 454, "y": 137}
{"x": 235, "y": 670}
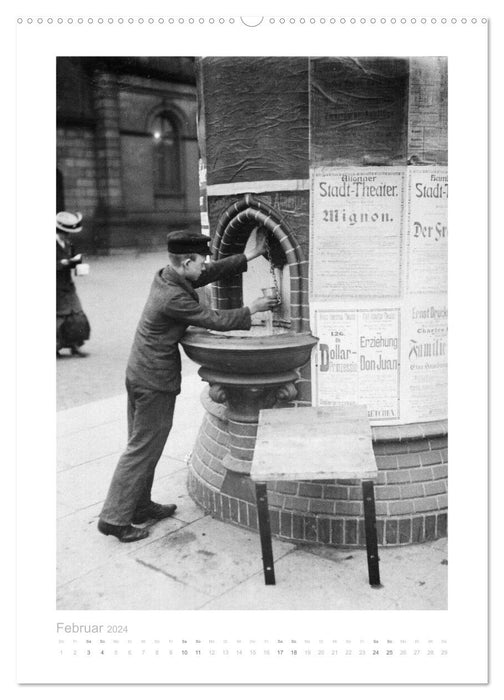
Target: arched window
{"x": 167, "y": 176}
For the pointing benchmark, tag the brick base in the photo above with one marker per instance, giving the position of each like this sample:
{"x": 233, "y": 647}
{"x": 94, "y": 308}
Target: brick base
{"x": 410, "y": 491}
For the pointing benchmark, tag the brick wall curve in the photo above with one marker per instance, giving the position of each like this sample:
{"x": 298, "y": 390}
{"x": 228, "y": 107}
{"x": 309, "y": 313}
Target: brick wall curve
{"x": 410, "y": 491}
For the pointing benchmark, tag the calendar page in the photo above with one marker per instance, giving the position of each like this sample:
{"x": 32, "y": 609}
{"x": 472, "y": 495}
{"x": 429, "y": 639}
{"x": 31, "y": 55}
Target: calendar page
{"x": 140, "y": 110}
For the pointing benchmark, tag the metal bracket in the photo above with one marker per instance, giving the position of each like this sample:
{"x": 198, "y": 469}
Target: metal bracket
{"x": 265, "y": 533}
{"x": 371, "y": 536}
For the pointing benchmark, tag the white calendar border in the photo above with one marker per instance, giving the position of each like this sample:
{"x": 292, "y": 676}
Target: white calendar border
{"x": 37, "y": 613}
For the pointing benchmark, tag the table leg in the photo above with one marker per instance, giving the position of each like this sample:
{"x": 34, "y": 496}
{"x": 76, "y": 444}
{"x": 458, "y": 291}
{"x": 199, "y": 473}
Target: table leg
{"x": 265, "y": 533}
{"x": 370, "y": 529}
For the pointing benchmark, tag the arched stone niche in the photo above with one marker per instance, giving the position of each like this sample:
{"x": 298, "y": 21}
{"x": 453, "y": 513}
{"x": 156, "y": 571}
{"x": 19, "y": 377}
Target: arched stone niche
{"x": 232, "y": 232}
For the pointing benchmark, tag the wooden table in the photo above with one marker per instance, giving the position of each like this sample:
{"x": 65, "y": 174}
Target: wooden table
{"x": 314, "y": 443}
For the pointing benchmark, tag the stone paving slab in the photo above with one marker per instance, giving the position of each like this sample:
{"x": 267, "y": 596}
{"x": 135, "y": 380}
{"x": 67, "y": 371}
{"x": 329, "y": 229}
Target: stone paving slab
{"x": 90, "y": 415}
{"x": 432, "y": 596}
{"x": 127, "y": 584}
{"x": 413, "y": 562}
{"x": 85, "y": 484}
{"x": 305, "y": 582}
{"x": 413, "y": 577}
{"x": 90, "y": 444}
{"x": 81, "y": 548}
{"x": 210, "y": 556}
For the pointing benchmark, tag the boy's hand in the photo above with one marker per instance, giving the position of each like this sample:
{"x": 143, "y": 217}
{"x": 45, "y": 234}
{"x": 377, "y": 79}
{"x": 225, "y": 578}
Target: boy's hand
{"x": 263, "y": 304}
{"x": 259, "y": 248}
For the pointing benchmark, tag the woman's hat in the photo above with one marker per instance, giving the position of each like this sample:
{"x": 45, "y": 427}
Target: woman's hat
{"x": 185, "y": 243}
{"x": 68, "y": 222}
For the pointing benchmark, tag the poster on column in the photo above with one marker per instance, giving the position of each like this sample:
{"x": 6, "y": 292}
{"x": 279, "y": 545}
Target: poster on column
{"x": 358, "y": 360}
{"x": 424, "y": 387}
{"x": 427, "y": 240}
{"x": 356, "y": 232}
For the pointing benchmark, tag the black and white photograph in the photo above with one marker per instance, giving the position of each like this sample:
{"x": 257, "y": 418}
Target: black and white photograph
{"x": 240, "y": 450}
{"x": 248, "y": 215}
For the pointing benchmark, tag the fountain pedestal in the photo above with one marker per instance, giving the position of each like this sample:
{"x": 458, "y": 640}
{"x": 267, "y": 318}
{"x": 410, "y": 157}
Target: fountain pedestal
{"x": 247, "y": 373}
{"x": 245, "y": 396}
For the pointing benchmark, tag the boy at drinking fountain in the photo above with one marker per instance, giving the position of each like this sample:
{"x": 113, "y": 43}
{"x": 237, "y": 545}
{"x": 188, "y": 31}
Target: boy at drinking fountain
{"x": 153, "y": 373}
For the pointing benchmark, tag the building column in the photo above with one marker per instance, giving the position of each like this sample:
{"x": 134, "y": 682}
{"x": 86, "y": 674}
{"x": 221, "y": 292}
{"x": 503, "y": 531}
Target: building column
{"x": 108, "y": 155}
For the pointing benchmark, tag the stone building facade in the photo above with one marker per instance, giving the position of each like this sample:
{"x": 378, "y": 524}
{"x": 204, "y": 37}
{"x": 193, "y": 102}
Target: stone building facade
{"x": 127, "y": 153}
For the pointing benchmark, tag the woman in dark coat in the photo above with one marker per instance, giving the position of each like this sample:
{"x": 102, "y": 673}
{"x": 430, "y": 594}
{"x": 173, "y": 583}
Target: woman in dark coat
{"x": 72, "y": 326}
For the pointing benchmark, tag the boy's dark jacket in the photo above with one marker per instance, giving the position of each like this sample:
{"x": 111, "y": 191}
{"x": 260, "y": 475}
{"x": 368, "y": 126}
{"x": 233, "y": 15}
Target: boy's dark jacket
{"x": 171, "y": 307}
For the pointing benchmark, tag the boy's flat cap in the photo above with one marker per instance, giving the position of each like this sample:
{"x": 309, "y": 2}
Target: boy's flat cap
{"x": 185, "y": 243}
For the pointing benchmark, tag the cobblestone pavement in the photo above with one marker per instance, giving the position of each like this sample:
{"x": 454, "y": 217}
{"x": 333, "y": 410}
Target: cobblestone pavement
{"x": 113, "y": 296}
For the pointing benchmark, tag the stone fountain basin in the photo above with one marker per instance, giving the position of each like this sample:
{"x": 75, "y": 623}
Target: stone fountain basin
{"x": 248, "y": 353}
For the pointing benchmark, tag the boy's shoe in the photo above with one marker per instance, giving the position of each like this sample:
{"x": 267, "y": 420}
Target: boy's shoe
{"x": 124, "y": 533}
{"x": 155, "y": 511}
